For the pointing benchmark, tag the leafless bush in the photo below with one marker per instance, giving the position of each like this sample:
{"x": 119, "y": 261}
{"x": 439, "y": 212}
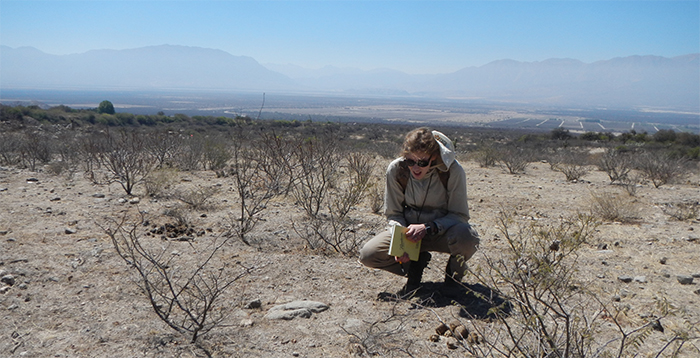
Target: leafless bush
{"x": 216, "y": 153}
{"x": 630, "y": 182}
{"x": 381, "y": 337}
{"x": 196, "y": 198}
{"x": 187, "y": 296}
{"x": 126, "y": 159}
{"x": 191, "y": 155}
{"x": 316, "y": 161}
{"x": 67, "y": 148}
{"x": 572, "y": 163}
{"x": 34, "y": 148}
{"x": 163, "y": 146}
{"x": 683, "y": 210}
{"x": 617, "y": 164}
{"x": 661, "y": 168}
{"x": 515, "y": 159}
{"x": 335, "y": 230}
{"x": 276, "y": 161}
{"x": 92, "y": 147}
{"x": 536, "y": 272}
{"x": 9, "y": 145}
{"x": 612, "y": 207}
{"x": 254, "y": 187}
{"x": 486, "y": 156}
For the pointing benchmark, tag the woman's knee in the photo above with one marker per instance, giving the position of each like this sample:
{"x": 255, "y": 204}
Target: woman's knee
{"x": 463, "y": 238}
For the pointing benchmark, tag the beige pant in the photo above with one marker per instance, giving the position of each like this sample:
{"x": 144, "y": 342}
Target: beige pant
{"x": 459, "y": 240}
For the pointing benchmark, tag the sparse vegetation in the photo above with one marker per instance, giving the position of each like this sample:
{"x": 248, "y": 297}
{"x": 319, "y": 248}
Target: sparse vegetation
{"x": 186, "y": 295}
{"x": 307, "y": 195}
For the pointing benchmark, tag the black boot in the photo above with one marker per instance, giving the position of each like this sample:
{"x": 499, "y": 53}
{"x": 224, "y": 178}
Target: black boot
{"x": 415, "y": 274}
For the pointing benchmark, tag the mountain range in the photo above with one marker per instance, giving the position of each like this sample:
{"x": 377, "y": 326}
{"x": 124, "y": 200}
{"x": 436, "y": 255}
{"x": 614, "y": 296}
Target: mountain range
{"x": 625, "y": 82}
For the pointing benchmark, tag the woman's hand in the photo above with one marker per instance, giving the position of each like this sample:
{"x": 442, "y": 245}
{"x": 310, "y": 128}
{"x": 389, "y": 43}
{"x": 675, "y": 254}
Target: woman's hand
{"x": 416, "y": 232}
{"x": 403, "y": 259}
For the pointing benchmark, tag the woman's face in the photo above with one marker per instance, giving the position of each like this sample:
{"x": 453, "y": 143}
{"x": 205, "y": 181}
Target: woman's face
{"x": 420, "y": 164}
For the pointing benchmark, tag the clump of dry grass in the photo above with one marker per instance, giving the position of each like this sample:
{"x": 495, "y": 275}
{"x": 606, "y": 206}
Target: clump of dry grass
{"x": 682, "y": 211}
{"x": 613, "y": 207}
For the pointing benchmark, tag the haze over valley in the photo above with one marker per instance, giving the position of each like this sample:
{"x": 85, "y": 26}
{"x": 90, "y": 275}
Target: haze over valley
{"x": 633, "y": 82}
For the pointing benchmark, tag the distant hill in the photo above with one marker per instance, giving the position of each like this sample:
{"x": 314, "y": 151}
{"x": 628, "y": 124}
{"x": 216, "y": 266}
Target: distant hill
{"x": 626, "y": 82}
{"x": 155, "y": 67}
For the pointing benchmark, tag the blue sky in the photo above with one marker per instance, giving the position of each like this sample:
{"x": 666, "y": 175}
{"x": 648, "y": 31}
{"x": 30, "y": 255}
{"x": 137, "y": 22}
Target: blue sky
{"x": 411, "y": 36}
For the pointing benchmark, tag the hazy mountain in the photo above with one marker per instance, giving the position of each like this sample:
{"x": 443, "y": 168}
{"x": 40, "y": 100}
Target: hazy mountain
{"x": 625, "y": 82}
{"x": 621, "y": 82}
{"x": 152, "y": 67}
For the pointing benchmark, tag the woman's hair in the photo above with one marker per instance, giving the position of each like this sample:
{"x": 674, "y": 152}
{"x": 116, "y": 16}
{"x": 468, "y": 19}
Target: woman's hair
{"x": 420, "y": 140}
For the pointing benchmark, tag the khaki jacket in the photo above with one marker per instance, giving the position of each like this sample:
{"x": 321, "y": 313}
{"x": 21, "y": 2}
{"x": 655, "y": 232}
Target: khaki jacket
{"x": 427, "y": 199}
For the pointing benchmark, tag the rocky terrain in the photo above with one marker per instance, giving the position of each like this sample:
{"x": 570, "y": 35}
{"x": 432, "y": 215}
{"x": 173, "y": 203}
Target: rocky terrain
{"x": 66, "y": 293}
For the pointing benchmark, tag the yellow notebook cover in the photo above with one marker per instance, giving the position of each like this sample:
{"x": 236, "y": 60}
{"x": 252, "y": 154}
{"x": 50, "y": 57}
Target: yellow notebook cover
{"x": 400, "y": 244}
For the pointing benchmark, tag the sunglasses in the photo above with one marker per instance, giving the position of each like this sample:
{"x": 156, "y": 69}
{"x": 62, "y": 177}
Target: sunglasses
{"x": 421, "y": 163}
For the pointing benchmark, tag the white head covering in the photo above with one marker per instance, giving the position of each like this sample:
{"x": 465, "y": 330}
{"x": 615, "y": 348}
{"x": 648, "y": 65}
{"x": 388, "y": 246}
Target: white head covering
{"x": 447, "y": 151}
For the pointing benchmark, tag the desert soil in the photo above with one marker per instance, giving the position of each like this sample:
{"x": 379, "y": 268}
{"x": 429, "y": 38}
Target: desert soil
{"x": 73, "y": 296}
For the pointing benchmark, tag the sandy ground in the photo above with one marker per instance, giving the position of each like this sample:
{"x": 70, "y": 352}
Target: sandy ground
{"x": 73, "y": 296}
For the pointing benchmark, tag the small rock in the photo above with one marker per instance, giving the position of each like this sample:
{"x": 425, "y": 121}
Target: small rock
{"x": 616, "y": 298}
{"x": 452, "y": 343}
{"x": 640, "y": 279}
{"x": 246, "y": 322}
{"x": 696, "y": 275}
{"x": 602, "y": 246}
{"x": 4, "y": 289}
{"x": 554, "y": 246}
{"x": 3, "y": 232}
{"x": 697, "y": 292}
{"x": 8, "y": 280}
{"x": 441, "y": 329}
{"x": 69, "y": 231}
{"x": 461, "y": 332}
{"x": 256, "y": 303}
{"x": 55, "y": 199}
{"x": 288, "y": 314}
{"x": 663, "y": 260}
{"x": 121, "y": 201}
{"x": 98, "y": 195}
{"x": 625, "y": 278}
{"x": 134, "y": 200}
{"x": 684, "y": 279}
{"x": 32, "y": 180}
{"x": 434, "y": 338}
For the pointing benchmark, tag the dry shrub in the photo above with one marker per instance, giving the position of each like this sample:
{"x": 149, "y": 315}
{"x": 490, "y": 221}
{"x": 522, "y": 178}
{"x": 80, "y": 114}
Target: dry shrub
{"x": 616, "y": 163}
{"x": 613, "y": 207}
{"x": 572, "y": 163}
{"x": 515, "y": 159}
{"x": 662, "y": 168}
{"x": 486, "y": 156}
{"x": 546, "y": 314}
{"x": 196, "y": 198}
{"x": 186, "y": 292}
{"x": 159, "y": 182}
{"x": 682, "y": 211}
